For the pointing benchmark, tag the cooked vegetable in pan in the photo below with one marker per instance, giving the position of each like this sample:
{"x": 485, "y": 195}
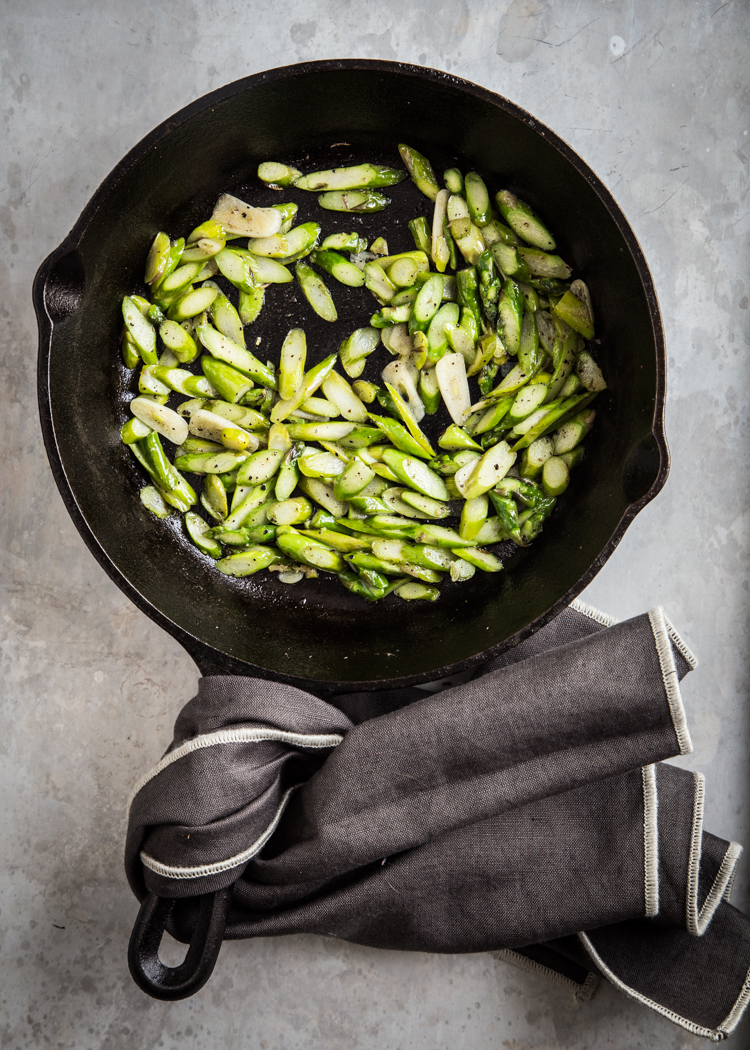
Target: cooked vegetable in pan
{"x": 302, "y": 469}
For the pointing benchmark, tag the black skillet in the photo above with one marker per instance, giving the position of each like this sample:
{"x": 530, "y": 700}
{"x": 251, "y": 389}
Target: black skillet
{"x": 315, "y": 634}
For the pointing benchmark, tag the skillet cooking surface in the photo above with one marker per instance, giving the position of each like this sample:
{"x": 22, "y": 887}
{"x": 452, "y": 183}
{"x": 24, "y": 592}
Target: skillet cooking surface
{"x": 315, "y": 633}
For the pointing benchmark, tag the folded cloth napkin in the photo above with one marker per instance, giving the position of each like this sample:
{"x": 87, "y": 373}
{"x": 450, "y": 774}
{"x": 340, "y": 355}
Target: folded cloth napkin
{"x": 526, "y": 812}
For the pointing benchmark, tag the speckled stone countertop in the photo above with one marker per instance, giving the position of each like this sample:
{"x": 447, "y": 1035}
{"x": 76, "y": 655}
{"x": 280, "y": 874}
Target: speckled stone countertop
{"x": 655, "y": 97}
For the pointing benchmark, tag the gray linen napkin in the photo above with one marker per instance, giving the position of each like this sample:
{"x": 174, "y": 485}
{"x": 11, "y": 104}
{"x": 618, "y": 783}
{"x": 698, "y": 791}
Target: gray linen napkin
{"x": 507, "y": 814}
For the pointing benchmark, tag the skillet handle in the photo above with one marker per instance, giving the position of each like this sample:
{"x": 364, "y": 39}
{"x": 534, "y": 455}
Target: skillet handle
{"x": 176, "y": 982}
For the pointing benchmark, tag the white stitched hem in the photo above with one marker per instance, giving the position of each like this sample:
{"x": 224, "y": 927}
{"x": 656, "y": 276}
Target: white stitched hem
{"x": 663, "y": 642}
{"x": 240, "y": 735}
{"x": 730, "y": 884}
{"x": 680, "y": 644}
{"x": 201, "y": 870}
{"x": 650, "y": 841}
{"x": 698, "y": 921}
{"x": 581, "y": 992}
{"x": 716, "y": 1035}
{"x": 593, "y": 614}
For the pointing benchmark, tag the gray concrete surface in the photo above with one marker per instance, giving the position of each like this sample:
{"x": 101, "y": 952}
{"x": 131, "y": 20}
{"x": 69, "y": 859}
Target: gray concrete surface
{"x": 654, "y": 96}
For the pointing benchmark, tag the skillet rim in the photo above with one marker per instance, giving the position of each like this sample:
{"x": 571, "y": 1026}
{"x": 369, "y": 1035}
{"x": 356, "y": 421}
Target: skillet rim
{"x": 211, "y": 660}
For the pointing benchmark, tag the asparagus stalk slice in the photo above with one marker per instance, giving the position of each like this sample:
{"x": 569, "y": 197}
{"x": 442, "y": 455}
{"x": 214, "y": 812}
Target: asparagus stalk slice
{"x": 354, "y": 479}
{"x": 523, "y": 221}
{"x": 344, "y": 242}
{"x": 540, "y": 264}
{"x": 251, "y": 303}
{"x": 461, "y": 342}
{"x": 134, "y": 430}
{"x": 473, "y": 516}
{"x": 555, "y": 476}
{"x": 181, "y": 381}
{"x": 492, "y": 531}
{"x": 527, "y": 400}
{"x": 260, "y": 467}
{"x": 479, "y": 477}
{"x": 467, "y": 292}
{"x": 228, "y": 382}
{"x": 277, "y": 175}
{"x": 426, "y": 506}
{"x": 529, "y": 352}
{"x": 570, "y": 434}
{"x": 467, "y": 236}
{"x": 510, "y": 316}
{"x": 454, "y": 386}
{"x": 354, "y": 350}
{"x": 152, "y": 500}
{"x": 415, "y": 474}
{"x": 429, "y": 391}
{"x": 197, "y": 530}
{"x": 158, "y": 257}
{"x": 141, "y": 331}
{"x": 365, "y": 391}
{"x": 357, "y": 177}
{"x": 316, "y": 292}
{"x": 237, "y": 357}
{"x": 310, "y": 383}
{"x": 493, "y": 416}
{"x": 353, "y": 201}
{"x": 573, "y": 458}
{"x": 581, "y": 291}
{"x": 191, "y": 304}
{"x": 420, "y": 231}
{"x": 439, "y": 245}
{"x": 489, "y": 286}
{"x": 454, "y": 180}
{"x": 247, "y": 562}
{"x": 417, "y": 592}
{"x": 160, "y": 418}
{"x": 457, "y": 438}
{"x": 400, "y": 436}
{"x": 477, "y": 199}
{"x": 378, "y": 282}
{"x": 535, "y": 456}
{"x": 245, "y": 511}
{"x": 264, "y": 270}
{"x": 575, "y": 313}
{"x": 323, "y": 493}
{"x": 396, "y": 505}
{"x": 214, "y": 497}
{"x": 292, "y": 362}
{"x": 422, "y": 555}
{"x": 340, "y": 268}
{"x": 426, "y": 304}
{"x": 316, "y": 464}
{"x": 420, "y": 170}
{"x": 205, "y": 424}
{"x": 319, "y": 431}
{"x": 555, "y": 413}
{"x": 589, "y": 372}
{"x": 290, "y": 512}
{"x": 338, "y": 391}
{"x": 276, "y": 247}
{"x": 461, "y": 570}
{"x": 481, "y": 559}
{"x": 401, "y": 376}
{"x": 308, "y": 551}
{"x": 243, "y": 219}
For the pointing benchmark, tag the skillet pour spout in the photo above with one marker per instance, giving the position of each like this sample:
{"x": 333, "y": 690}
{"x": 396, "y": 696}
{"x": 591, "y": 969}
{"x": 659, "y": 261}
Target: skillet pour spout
{"x": 316, "y": 635}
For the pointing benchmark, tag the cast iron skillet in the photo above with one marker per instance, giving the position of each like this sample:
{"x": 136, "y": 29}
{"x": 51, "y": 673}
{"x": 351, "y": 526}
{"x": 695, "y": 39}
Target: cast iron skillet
{"x": 315, "y": 634}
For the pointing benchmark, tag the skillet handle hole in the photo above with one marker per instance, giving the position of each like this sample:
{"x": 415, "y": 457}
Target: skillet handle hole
{"x": 64, "y": 287}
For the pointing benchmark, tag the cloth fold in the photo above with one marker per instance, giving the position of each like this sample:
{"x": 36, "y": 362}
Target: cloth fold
{"x": 507, "y": 814}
